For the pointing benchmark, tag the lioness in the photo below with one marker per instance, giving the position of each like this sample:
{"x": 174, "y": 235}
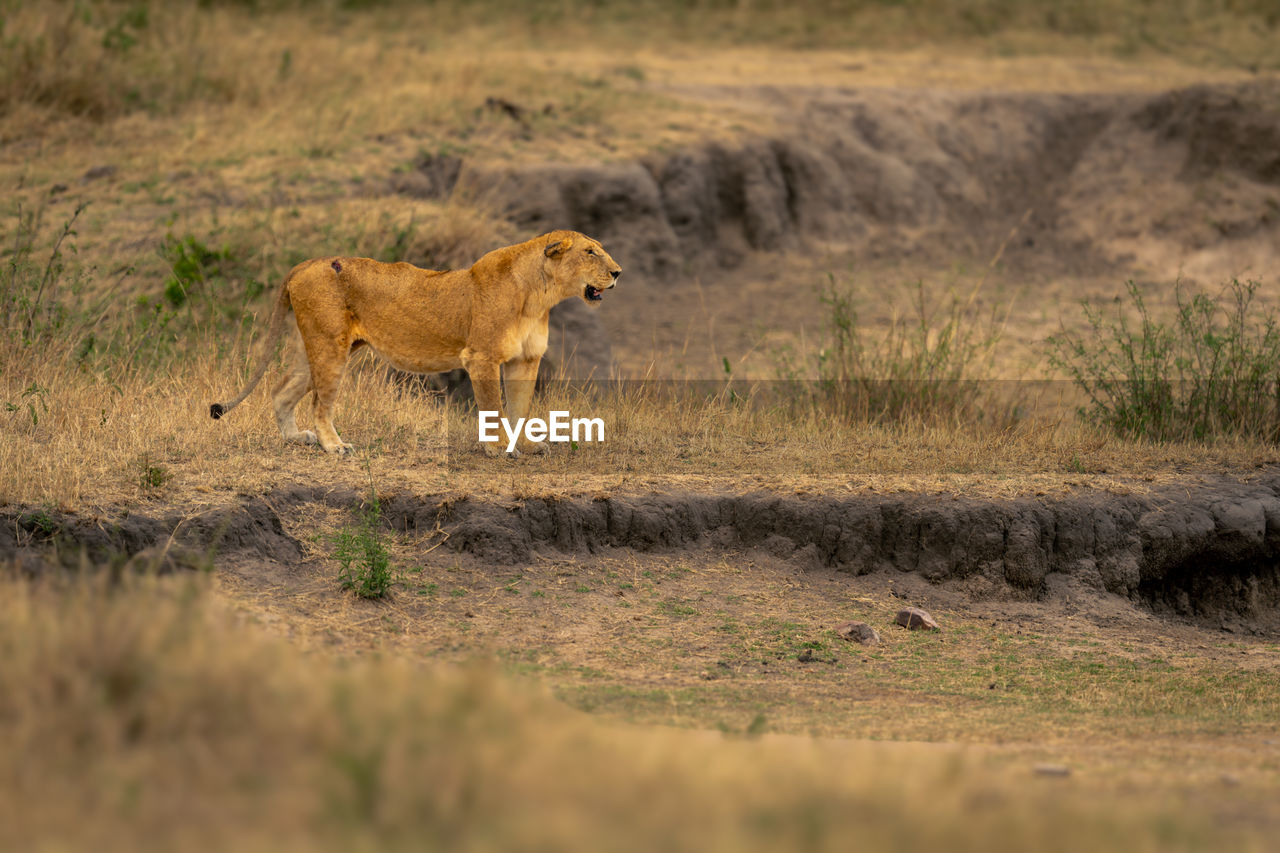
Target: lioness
{"x": 486, "y": 318}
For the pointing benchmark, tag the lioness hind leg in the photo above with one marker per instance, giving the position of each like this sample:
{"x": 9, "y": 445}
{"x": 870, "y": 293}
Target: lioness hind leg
{"x": 328, "y": 360}
{"x": 292, "y": 388}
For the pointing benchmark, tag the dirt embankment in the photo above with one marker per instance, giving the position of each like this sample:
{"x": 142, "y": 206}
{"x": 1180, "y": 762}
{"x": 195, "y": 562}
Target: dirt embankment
{"x": 1160, "y": 182}
{"x": 1214, "y": 555}
{"x": 1181, "y": 183}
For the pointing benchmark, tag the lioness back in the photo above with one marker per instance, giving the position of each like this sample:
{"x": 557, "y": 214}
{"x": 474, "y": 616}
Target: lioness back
{"x": 417, "y": 319}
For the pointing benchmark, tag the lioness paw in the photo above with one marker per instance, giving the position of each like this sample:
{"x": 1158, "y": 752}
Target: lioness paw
{"x": 533, "y": 447}
{"x": 306, "y": 437}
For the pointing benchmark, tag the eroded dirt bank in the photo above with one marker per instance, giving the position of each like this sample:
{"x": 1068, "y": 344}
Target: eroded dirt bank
{"x": 1214, "y": 554}
{"x": 1177, "y": 184}
{"x": 1089, "y": 181}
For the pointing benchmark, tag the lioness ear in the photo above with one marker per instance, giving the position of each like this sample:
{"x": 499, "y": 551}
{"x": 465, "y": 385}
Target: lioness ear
{"x": 555, "y": 250}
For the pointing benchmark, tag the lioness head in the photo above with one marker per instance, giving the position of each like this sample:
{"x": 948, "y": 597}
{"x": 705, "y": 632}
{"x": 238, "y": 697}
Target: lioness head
{"x": 578, "y": 264}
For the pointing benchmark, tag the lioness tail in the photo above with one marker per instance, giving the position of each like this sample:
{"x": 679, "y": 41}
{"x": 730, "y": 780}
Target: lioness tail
{"x": 274, "y": 332}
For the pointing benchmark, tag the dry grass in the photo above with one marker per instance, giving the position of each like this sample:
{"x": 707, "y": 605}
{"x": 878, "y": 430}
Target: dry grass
{"x": 241, "y": 122}
{"x": 103, "y": 59}
{"x": 94, "y": 434}
{"x": 144, "y": 716}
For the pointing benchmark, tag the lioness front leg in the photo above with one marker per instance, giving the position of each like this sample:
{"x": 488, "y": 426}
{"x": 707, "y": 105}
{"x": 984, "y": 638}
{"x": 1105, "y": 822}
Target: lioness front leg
{"x": 486, "y": 383}
{"x": 520, "y": 377}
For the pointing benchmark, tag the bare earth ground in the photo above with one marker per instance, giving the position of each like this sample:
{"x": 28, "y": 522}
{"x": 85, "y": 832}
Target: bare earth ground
{"x": 1134, "y": 704}
{"x": 1142, "y": 708}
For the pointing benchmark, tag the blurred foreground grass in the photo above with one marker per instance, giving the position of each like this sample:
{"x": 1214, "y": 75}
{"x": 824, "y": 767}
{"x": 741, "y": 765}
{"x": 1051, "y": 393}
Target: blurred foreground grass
{"x": 144, "y": 715}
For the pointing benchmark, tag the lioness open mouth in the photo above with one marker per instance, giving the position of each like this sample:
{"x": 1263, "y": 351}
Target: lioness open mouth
{"x": 591, "y": 294}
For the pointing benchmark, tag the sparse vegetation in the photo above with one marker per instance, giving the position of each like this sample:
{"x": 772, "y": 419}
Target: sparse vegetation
{"x": 359, "y": 550}
{"x": 31, "y": 284}
{"x": 153, "y": 475}
{"x": 1211, "y": 369}
{"x": 78, "y": 422}
{"x": 925, "y": 365}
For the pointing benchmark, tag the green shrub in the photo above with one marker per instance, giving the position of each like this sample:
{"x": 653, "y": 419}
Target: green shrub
{"x": 1210, "y": 369}
{"x": 153, "y": 475}
{"x": 366, "y": 564}
{"x": 45, "y": 311}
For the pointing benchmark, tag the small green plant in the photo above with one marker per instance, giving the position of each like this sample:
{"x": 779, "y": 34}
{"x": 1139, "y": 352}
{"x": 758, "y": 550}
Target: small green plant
{"x": 359, "y": 550}
{"x": 153, "y": 475}
{"x": 32, "y": 306}
{"x": 124, "y": 31}
{"x": 1213, "y": 368}
{"x": 40, "y": 522}
{"x": 191, "y": 264}
{"x": 677, "y": 607}
{"x": 32, "y": 401}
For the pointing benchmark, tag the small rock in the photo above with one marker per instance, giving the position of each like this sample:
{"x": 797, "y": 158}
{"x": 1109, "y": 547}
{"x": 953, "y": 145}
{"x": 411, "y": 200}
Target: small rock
{"x": 99, "y": 172}
{"x": 1058, "y": 770}
{"x": 858, "y": 631}
{"x": 1231, "y": 780}
{"x": 916, "y": 619}
{"x": 805, "y": 655}
{"x": 57, "y": 189}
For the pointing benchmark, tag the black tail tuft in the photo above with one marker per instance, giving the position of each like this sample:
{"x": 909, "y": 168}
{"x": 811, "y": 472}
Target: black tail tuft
{"x": 216, "y": 411}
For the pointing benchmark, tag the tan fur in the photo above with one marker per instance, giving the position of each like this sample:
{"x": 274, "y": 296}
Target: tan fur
{"x": 490, "y": 319}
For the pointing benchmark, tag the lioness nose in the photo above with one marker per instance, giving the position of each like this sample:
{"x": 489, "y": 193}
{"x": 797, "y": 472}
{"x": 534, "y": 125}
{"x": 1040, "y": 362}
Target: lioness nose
{"x": 615, "y": 274}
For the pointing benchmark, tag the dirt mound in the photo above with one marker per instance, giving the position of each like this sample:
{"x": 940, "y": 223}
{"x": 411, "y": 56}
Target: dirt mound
{"x": 1183, "y": 183}
{"x": 1127, "y": 545}
{"x": 34, "y": 539}
{"x": 1086, "y": 182}
{"x": 1233, "y": 129}
{"x": 1213, "y": 555}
